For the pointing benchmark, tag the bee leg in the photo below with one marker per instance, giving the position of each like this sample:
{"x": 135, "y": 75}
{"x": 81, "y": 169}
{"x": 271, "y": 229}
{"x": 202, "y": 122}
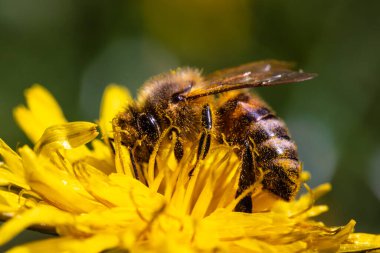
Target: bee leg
{"x": 205, "y": 140}
{"x": 111, "y": 141}
{"x": 247, "y": 178}
{"x": 178, "y": 146}
{"x": 178, "y": 150}
{"x": 133, "y": 161}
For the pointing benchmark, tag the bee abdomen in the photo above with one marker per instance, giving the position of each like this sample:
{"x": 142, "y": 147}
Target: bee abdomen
{"x": 247, "y": 117}
{"x": 267, "y": 128}
{"x": 273, "y": 143}
{"x": 282, "y": 177}
{"x": 277, "y": 155}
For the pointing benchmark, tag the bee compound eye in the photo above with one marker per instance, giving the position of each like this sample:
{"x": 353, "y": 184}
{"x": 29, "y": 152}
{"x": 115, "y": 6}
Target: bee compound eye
{"x": 147, "y": 124}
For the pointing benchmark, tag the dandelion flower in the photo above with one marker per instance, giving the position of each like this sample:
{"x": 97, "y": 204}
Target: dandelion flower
{"x": 73, "y": 184}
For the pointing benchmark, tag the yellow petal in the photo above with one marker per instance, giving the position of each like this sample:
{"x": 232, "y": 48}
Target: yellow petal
{"x": 328, "y": 239}
{"x": 56, "y": 186}
{"x": 42, "y": 112}
{"x": 361, "y": 242}
{"x": 228, "y": 225}
{"x": 42, "y": 214}
{"x": 42, "y": 103}
{"x": 11, "y": 159}
{"x": 101, "y": 157}
{"x": 258, "y": 246}
{"x": 303, "y": 207}
{"x": 7, "y": 178}
{"x": 94, "y": 244}
{"x": 66, "y": 136}
{"x": 9, "y": 202}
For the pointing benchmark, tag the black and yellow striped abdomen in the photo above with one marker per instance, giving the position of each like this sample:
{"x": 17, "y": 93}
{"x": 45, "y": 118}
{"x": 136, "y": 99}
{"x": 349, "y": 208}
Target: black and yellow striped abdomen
{"x": 244, "y": 118}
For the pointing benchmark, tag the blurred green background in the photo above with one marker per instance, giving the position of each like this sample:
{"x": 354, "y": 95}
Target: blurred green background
{"x": 75, "y": 48}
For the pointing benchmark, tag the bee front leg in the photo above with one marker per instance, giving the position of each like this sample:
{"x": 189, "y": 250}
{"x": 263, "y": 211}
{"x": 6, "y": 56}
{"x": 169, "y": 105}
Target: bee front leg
{"x": 205, "y": 140}
{"x": 246, "y": 179}
{"x": 134, "y": 166}
{"x": 178, "y": 146}
{"x": 111, "y": 144}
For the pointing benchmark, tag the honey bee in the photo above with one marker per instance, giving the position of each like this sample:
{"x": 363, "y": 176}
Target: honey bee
{"x": 218, "y": 107}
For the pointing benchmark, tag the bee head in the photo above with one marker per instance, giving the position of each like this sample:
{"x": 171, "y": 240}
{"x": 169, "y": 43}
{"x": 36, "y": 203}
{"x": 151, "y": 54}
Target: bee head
{"x": 125, "y": 123}
{"x": 134, "y": 126}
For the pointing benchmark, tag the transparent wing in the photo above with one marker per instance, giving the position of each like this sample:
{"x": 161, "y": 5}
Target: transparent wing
{"x": 255, "y": 67}
{"x": 255, "y": 74}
